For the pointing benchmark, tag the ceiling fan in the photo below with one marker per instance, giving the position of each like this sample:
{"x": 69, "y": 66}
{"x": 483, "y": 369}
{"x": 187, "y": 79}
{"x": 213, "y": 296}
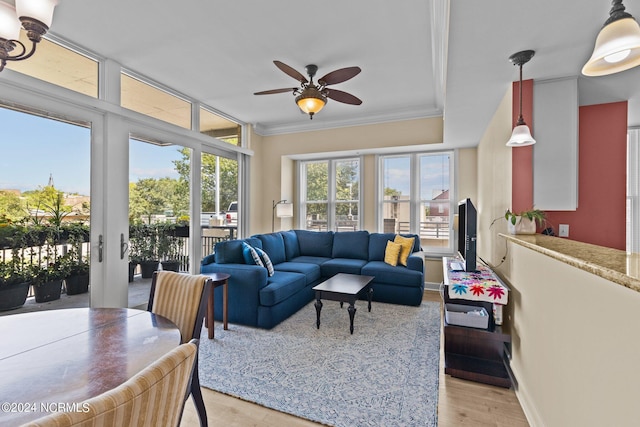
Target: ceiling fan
{"x": 310, "y": 96}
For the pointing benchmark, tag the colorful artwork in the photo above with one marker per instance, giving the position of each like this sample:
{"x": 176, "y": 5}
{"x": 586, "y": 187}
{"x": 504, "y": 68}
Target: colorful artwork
{"x": 479, "y": 286}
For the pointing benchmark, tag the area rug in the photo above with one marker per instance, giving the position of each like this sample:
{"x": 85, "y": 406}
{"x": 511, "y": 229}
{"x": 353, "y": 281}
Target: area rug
{"x": 385, "y": 374}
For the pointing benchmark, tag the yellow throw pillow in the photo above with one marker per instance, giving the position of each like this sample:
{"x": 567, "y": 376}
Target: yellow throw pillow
{"x": 407, "y": 247}
{"x": 392, "y": 253}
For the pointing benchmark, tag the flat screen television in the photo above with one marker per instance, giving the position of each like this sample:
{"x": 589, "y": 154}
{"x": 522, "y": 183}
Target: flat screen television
{"x": 467, "y": 233}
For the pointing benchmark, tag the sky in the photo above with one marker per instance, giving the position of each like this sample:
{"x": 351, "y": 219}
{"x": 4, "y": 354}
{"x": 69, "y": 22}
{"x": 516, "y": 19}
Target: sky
{"x": 32, "y": 148}
{"x": 434, "y": 173}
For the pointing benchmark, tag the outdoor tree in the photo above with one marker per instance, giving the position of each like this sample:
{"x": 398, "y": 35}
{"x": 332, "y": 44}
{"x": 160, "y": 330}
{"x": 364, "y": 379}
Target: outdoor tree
{"x": 151, "y": 196}
{"x": 11, "y": 206}
{"x": 46, "y": 200}
{"x": 317, "y": 188}
{"x": 347, "y": 187}
{"x": 228, "y": 179}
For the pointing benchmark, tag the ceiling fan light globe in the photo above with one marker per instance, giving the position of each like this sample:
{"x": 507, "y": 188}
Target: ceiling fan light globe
{"x": 311, "y": 103}
{"x": 614, "y": 40}
{"x": 521, "y": 137}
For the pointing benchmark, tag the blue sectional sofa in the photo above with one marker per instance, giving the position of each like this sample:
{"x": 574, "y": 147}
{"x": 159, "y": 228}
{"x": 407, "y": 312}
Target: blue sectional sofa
{"x": 301, "y": 259}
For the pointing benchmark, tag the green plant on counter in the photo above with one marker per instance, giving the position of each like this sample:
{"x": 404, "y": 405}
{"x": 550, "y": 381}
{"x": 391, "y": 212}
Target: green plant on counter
{"x": 532, "y": 215}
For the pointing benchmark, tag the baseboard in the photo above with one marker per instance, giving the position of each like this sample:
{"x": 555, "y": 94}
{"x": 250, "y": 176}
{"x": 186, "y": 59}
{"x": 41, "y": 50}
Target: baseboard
{"x": 431, "y": 286}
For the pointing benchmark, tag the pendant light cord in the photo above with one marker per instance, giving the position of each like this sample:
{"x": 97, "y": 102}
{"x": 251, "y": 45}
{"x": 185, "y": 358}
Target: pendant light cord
{"x": 520, "y": 118}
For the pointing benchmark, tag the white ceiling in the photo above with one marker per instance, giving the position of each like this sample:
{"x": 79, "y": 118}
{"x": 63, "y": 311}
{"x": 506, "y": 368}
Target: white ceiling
{"x": 221, "y": 52}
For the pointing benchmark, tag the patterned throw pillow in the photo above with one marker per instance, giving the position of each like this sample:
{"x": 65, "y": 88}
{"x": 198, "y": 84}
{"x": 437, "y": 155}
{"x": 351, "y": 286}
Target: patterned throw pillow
{"x": 250, "y": 255}
{"x": 266, "y": 261}
{"x": 392, "y": 253}
{"x": 407, "y": 247}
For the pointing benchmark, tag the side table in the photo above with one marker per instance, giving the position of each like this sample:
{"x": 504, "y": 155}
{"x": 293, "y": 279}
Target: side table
{"x": 217, "y": 279}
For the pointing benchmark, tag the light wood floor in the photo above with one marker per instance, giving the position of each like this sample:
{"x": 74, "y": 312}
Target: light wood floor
{"x": 460, "y": 403}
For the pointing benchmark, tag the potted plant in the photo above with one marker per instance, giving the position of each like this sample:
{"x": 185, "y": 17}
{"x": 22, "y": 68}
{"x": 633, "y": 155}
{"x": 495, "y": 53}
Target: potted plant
{"x": 135, "y": 248}
{"x": 182, "y": 226}
{"x": 50, "y": 273}
{"x": 524, "y": 222}
{"x": 15, "y": 279}
{"x": 77, "y": 264}
{"x": 168, "y": 246}
{"x": 48, "y": 281}
{"x": 16, "y": 275}
{"x": 14, "y": 286}
{"x": 148, "y": 250}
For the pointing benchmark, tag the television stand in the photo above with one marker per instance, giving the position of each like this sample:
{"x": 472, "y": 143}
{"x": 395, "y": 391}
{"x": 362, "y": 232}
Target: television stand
{"x": 480, "y": 355}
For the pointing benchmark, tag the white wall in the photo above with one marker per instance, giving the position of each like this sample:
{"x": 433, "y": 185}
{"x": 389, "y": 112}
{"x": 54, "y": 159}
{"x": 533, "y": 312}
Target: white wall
{"x": 576, "y": 343}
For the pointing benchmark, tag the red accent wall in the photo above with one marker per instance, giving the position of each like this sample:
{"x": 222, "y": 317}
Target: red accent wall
{"x": 522, "y": 157}
{"x": 602, "y": 179}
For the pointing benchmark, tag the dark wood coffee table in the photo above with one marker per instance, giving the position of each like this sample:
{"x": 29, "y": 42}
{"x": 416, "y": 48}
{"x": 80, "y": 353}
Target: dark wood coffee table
{"x": 343, "y": 287}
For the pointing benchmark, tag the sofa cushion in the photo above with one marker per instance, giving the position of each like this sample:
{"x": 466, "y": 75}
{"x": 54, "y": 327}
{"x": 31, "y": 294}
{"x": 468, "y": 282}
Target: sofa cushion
{"x": 230, "y": 251}
{"x": 281, "y": 286}
{"x": 315, "y": 243}
{"x": 342, "y": 265}
{"x": 378, "y": 244}
{"x": 311, "y": 271}
{"x": 351, "y": 244}
{"x": 273, "y": 245}
{"x": 318, "y": 260}
{"x": 291, "y": 248}
{"x": 399, "y": 275}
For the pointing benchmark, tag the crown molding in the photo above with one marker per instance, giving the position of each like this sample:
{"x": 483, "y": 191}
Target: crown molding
{"x": 390, "y": 116}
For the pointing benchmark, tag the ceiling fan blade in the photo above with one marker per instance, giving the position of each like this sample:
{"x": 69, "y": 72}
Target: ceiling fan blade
{"x": 269, "y": 92}
{"x": 291, "y": 72}
{"x": 340, "y": 96}
{"x": 339, "y": 76}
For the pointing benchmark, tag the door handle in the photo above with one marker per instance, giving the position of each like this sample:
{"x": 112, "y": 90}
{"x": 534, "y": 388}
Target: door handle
{"x": 100, "y": 247}
{"x": 124, "y": 246}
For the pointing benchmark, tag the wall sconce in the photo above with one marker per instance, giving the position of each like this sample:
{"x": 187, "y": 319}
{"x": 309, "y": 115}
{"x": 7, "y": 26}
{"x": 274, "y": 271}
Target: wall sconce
{"x": 281, "y": 209}
{"x": 35, "y": 16}
{"x": 521, "y": 135}
{"x": 617, "y": 45}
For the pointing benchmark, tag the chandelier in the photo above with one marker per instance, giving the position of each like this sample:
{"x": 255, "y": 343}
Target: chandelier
{"x": 35, "y": 17}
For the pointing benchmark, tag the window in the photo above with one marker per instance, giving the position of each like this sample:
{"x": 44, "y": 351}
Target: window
{"x": 139, "y": 96}
{"x": 61, "y": 66}
{"x": 215, "y": 125}
{"x": 414, "y": 197}
{"x": 330, "y": 195}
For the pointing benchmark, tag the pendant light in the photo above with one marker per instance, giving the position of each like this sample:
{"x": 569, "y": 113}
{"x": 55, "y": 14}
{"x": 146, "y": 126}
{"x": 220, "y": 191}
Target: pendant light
{"x": 521, "y": 135}
{"x": 35, "y": 17}
{"x": 617, "y": 45}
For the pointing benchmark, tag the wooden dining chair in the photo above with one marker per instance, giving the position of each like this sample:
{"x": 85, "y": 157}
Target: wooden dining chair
{"x": 153, "y": 397}
{"x": 182, "y": 298}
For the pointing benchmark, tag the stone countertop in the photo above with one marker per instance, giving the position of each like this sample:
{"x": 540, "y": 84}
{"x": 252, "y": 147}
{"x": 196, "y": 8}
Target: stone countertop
{"x": 611, "y": 264}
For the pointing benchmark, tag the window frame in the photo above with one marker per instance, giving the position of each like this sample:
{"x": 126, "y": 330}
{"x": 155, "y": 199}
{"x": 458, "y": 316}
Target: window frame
{"x": 332, "y": 201}
{"x": 416, "y": 202}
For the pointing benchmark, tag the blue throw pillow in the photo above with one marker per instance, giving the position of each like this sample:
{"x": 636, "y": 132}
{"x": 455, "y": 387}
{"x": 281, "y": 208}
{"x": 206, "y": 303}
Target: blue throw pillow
{"x": 250, "y": 255}
{"x": 266, "y": 261}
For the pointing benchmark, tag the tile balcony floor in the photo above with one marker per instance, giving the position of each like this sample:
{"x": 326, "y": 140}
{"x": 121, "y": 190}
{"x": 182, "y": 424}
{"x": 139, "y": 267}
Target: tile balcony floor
{"x": 138, "y": 298}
